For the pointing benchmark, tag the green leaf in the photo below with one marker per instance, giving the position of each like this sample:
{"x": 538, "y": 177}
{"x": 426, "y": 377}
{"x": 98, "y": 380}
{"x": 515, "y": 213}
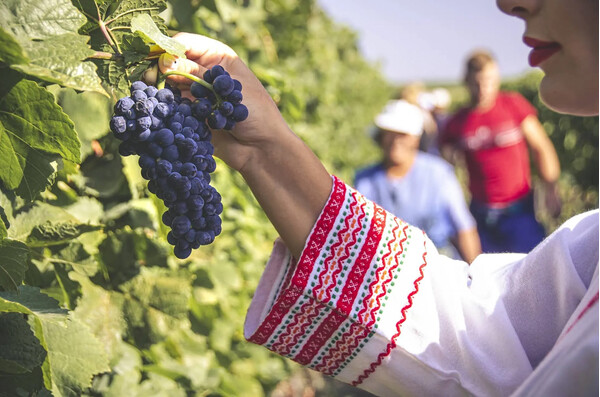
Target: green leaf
{"x": 32, "y": 125}
{"x": 101, "y": 311}
{"x": 89, "y": 111}
{"x": 74, "y": 357}
{"x": 74, "y": 354}
{"x": 144, "y": 25}
{"x": 10, "y": 50}
{"x": 20, "y": 350}
{"x": 61, "y": 59}
{"x": 29, "y": 300}
{"x": 3, "y": 232}
{"x": 39, "y": 19}
{"x": 38, "y": 214}
{"x": 13, "y": 263}
{"x": 53, "y": 233}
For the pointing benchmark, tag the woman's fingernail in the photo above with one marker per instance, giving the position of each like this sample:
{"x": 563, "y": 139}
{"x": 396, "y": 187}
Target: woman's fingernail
{"x": 168, "y": 61}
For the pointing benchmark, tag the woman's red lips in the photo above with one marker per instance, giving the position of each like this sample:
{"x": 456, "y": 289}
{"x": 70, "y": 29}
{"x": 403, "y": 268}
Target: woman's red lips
{"x": 541, "y": 50}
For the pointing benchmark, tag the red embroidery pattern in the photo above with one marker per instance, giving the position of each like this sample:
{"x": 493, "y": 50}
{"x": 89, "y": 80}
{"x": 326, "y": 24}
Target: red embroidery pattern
{"x": 392, "y": 344}
{"x": 329, "y": 275}
{"x": 380, "y": 283}
{"x": 358, "y": 331}
{"x": 349, "y": 293}
{"x": 311, "y": 251}
{"x": 363, "y": 262}
{"x": 321, "y": 335}
{"x": 345, "y": 345}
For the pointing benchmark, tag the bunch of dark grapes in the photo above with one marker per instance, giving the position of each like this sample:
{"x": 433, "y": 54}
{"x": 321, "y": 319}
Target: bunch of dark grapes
{"x": 171, "y": 135}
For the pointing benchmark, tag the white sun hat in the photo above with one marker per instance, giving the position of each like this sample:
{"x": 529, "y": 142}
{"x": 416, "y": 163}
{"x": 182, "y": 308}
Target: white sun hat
{"x": 401, "y": 116}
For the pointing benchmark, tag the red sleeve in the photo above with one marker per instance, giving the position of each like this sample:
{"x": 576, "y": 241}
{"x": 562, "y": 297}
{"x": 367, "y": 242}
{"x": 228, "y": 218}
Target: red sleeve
{"x": 522, "y": 107}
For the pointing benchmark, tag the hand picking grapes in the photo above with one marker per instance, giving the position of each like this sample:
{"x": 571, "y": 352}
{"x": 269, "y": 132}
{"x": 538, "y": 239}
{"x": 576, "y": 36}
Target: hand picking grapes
{"x": 172, "y": 137}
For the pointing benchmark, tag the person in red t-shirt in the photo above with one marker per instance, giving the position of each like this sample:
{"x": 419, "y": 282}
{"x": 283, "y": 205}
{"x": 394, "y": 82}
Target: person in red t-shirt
{"x": 495, "y": 133}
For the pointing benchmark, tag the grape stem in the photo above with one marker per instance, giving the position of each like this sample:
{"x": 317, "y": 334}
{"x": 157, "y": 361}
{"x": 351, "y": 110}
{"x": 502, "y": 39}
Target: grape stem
{"x": 161, "y": 82}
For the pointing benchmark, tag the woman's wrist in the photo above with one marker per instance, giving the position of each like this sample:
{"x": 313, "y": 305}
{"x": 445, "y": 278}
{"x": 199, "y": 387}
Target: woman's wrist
{"x": 290, "y": 184}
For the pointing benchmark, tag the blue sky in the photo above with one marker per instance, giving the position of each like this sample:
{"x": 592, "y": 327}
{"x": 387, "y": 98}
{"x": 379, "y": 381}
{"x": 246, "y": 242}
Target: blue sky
{"x": 428, "y": 40}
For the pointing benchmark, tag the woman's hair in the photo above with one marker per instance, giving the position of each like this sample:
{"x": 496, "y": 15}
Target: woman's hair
{"x": 478, "y": 60}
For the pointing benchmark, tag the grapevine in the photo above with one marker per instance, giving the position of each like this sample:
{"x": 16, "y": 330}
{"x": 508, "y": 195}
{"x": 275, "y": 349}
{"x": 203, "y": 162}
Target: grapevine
{"x": 171, "y": 135}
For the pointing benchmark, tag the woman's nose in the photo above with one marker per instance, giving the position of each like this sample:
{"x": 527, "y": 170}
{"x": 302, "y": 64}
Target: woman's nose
{"x": 519, "y": 8}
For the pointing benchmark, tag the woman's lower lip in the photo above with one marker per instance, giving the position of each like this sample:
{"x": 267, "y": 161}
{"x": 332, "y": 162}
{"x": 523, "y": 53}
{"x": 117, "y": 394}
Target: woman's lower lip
{"x": 540, "y": 54}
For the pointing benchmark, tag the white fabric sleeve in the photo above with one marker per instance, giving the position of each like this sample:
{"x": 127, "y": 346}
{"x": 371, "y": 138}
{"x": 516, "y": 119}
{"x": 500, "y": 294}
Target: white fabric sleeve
{"x": 371, "y": 303}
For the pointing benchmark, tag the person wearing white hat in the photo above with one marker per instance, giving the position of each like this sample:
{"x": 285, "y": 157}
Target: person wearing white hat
{"x": 418, "y": 187}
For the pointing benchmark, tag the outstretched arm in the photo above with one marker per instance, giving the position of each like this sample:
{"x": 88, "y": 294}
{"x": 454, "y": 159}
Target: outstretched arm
{"x": 288, "y": 180}
{"x": 546, "y": 161}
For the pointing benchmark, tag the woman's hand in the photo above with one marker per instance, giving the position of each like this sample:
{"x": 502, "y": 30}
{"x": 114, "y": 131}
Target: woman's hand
{"x": 287, "y": 179}
{"x": 264, "y": 123}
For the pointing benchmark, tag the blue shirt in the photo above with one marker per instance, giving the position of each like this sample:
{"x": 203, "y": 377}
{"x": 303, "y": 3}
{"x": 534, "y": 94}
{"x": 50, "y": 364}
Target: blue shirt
{"x": 429, "y": 196}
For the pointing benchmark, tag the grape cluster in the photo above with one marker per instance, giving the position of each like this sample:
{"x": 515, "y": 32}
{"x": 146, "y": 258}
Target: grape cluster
{"x": 221, "y": 106}
{"x": 171, "y": 136}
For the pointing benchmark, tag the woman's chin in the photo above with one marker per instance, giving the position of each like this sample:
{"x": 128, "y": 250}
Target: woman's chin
{"x": 568, "y": 99}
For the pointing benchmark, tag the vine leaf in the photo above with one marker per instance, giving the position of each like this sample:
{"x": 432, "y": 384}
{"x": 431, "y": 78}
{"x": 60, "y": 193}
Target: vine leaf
{"x": 74, "y": 355}
{"x": 59, "y": 59}
{"x": 144, "y": 25}
{"x": 55, "y": 233}
{"x": 46, "y": 33}
{"x": 3, "y": 232}
{"x": 11, "y": 53}
{"x": 13, "y": 263}
{"x": 32, "y": 127}
{"x": 20, "y": 350}
{"x": 39, "y": 19}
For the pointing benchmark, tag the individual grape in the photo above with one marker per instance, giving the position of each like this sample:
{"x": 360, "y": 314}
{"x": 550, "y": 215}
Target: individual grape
{"x": 143, "y": 123}
{"x": 144, "y": 106}
{"x": 151, "y": 91}
{"x": 226, "y": 108}
{"x": 181, "y": 225}
{"x": 177, "y": 166}
{"x": 164, "y": 167}
{"x": 185, "y": 109}
{"x": 143, "y": 136}
{"x": 146, "y": 161}
{"x": 182, "y": 251}
{"x": 240, "y": 112}
{"x": 164, "y": 137}
{"x": 237, "y": 85}
{"x": 162, "y": 110}
{"x": 123, "y": 105}
{"x": 138, "y": 95}
{"x": 165, "y": 95}
{"x": 118, "y": 124}
{"x": 235, "y": 97}
{"x": 195, "y": 202}
{"x": 201, "y": 108}
{"x": 223, "y": 85}
{"x": 189, "y": 170}
{"x": 138, "y": 85}
{"x": 217, "y": 71}
{"x": 216, "y": 120}
{"x": 199, "y": 91}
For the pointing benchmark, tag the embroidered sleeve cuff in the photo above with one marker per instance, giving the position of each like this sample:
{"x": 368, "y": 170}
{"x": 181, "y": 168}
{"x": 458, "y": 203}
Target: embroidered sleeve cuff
{"x": 329, "y": 306}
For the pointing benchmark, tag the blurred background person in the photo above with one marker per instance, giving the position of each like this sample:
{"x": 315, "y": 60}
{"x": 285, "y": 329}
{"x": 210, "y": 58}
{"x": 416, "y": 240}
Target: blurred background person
{"x": 418, "y": 187}
{"x": 494, "y": 133}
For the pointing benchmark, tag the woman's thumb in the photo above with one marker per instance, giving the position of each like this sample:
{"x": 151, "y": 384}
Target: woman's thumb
{"x": 169, "y": 63}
